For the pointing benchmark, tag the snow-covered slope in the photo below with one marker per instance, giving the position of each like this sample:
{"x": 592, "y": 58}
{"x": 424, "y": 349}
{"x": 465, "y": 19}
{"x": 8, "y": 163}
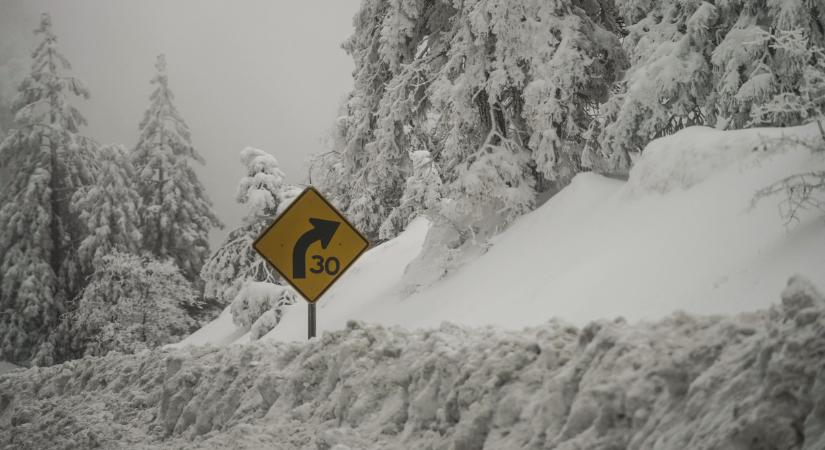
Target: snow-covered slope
{"x": 679, "y": 235}
{"x": 7, "y": 367}
{"x": 753, "y": 381}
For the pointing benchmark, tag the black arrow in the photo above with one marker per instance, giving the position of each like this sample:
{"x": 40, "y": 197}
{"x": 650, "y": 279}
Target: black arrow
{"x": 322, "y": 230}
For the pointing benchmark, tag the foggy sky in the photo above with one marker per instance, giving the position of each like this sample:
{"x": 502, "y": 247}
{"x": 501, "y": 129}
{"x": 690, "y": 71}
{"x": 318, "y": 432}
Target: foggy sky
{"x": 264, "y": 73}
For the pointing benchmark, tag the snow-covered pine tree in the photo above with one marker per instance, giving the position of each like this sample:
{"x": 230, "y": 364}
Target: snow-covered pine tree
{"x": 798, "y": 93}
{"x": 109, "y": 209}
{"x": 518, "y": 89}
{"x": 6, "y": 124}
{"x": 176, "y": 212}
{"x": 132, "y": 303}
{"x": 709, "y": 63}
{"x": 328, "y": 171}
{"x": 422, "y": 191}
{"x": 669, "y": 45}
{"x": 501, "y": 93}
{"x": 373, "y": 173}
{"x": 771, "y": 55}
{"x": 6, "y": 119}
{"x": 265, "y": 193}
{"x": 47, "y": 162}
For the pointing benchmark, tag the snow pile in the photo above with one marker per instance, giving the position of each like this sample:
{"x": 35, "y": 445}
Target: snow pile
{"x": 679, "y": 235}
{"x": 7, "y": 367}
{"x": 755, "y": 380}
{"x": 603, "y": 248}
{"x": 221, "y": 331}
{"x": 692, "y": 155}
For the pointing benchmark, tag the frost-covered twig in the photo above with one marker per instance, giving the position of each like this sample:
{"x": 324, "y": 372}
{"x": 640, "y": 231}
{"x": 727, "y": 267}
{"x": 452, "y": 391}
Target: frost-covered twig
{"x": 802, "y": 191}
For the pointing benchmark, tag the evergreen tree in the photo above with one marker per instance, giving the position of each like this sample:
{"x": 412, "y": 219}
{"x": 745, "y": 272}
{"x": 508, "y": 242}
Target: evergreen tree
{"x": 422, "y": 192}
{"x": 771, "y": 55}
{"x": 374, "y": 173}
{"x": 711, "y": 63}
{"x": 109, "y": 209}
{"x": 503, "y": 94}
{"x": 47, "y": 162}
{"x": 176, "y": 212}
{"x": 666, "y": 88}
{"x": 796, "y": 93}
{"x": 265, "y": 193}
{"x": 6, "y": 119}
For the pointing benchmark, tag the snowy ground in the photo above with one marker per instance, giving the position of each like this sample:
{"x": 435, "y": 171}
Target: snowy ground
{"x": 679, "y": 235}
{"x": 7, "y": 367}
{"x": 752, "y": 381}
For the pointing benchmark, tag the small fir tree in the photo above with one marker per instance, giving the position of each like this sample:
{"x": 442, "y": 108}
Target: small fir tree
{"x": 265, "y": 193}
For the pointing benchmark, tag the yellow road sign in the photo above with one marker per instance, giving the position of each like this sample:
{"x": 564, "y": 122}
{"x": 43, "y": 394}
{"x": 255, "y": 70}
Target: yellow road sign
{"x": 311, "y": 244}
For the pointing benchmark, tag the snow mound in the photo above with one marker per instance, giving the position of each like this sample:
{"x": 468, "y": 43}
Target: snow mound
{"x": 7, "y": 367}
{"x": 692, "y": 155}
{"x": 750, "y": 381}
{"x": 221, "y": 331}
{"x": 602, "y": 248}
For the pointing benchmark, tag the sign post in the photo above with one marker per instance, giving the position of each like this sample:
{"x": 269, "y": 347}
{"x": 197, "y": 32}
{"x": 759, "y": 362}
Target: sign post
{"x": 312, "y": 323}
{"x": 311, "y": 245}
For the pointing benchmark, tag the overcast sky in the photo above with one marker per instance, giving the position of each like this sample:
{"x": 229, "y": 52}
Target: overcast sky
{"x": 265, "y": 73}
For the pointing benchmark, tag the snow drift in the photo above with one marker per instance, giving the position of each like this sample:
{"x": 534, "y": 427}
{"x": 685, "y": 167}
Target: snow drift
{"x": 679, "y": 235}
{"x": 753, "y": 381}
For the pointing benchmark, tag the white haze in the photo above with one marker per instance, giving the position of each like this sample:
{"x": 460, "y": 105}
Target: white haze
{"x": 269, "y": 74}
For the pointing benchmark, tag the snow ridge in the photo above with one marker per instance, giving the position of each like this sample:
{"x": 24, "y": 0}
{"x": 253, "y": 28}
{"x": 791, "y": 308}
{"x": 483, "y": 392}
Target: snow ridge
{"x": 754, "y": 380}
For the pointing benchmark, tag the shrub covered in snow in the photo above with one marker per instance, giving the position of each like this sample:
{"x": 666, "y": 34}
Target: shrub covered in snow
{"x": 132, "y": 303}
{"x": 265, "y": 324}
{"x": 255, "y": 298}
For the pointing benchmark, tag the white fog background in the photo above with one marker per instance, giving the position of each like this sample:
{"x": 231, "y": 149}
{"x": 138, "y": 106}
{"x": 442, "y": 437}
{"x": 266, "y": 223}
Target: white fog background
{"x": 264, "y": 73}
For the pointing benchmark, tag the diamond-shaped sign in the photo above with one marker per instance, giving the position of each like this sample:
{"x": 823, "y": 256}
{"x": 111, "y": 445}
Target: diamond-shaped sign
{"x": 311, "y": 244}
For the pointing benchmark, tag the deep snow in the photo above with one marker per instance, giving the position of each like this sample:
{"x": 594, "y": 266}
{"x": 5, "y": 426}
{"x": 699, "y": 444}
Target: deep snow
{"x": 679, "y": 235}
{"x": 752, "y": 381}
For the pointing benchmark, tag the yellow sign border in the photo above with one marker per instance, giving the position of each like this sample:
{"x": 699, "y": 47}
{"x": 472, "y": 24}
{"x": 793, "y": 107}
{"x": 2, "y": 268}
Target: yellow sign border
{"x": 283, "y": 214}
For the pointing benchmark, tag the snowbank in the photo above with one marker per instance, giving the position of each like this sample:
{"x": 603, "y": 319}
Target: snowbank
{"x": 694, "y": 154}
{"x": 751, "y": 381}
{"x": 7, "y": 367}
{"x": 679, "y": 235}
{"x": 221, "y": 331}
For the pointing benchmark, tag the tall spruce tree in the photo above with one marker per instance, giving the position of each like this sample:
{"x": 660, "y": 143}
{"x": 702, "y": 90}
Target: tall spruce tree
{"x": 176, "y": 213}
{"x": 47, "y": 162}
{"x": 109, "y": 209}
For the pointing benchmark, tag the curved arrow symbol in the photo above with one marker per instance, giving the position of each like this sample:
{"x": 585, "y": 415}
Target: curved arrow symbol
{"x": 322, "y": 230}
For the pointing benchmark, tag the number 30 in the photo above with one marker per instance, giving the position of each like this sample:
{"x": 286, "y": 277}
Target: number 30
{"x": 330, "y": 266}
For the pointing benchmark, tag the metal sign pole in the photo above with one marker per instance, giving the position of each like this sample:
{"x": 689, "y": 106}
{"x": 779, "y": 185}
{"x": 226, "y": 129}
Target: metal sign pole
{"x": 311, "y": 320}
